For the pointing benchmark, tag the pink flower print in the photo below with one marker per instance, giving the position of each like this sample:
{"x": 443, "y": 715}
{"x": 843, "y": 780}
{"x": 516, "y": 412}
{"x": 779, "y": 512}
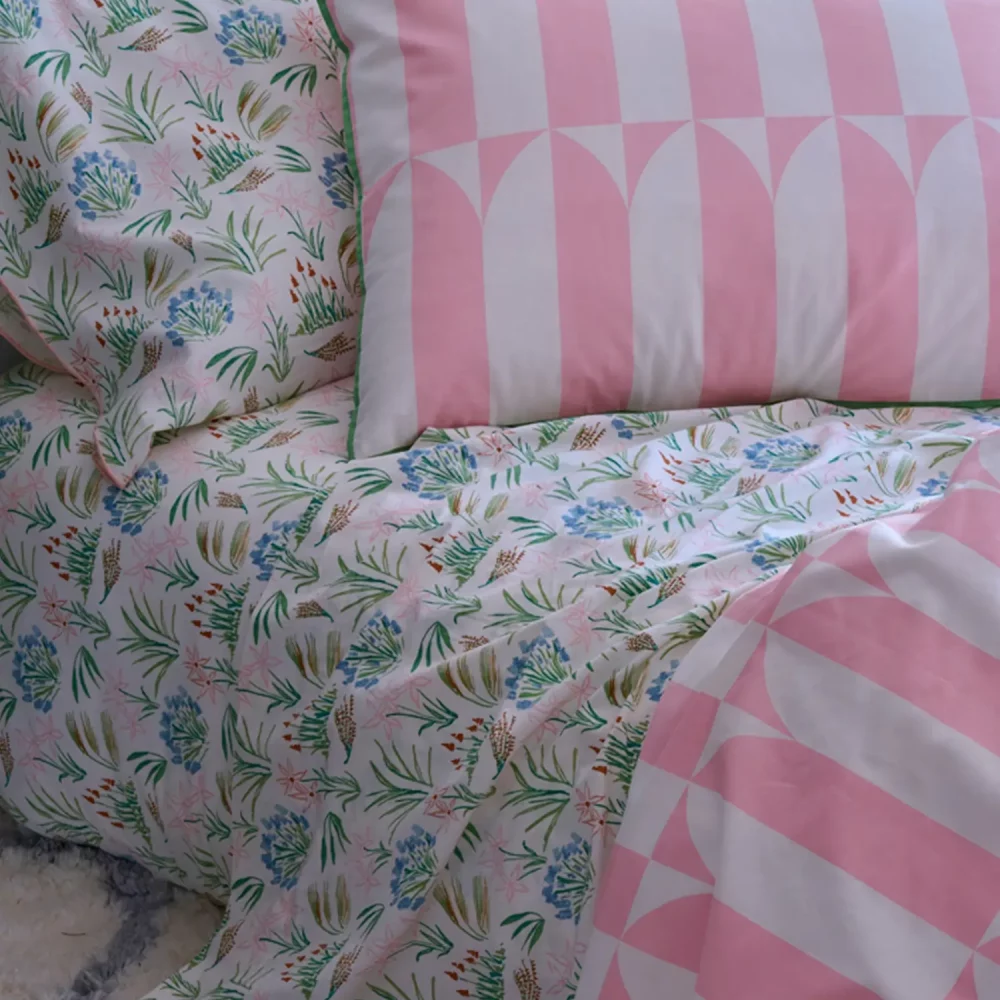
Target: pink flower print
{"x": 34, "y": 482}
{"x": 407, "y": 602}
{"x": 577, "y": 620}
{"x": 382, "y": 706}
{"x": 438, "y": 807}
{"x": 259, "y": 662}
{"x": 174, "y": 66}
{"x": 84, "y": 366}
{"x": 193, "y": 660}
{"x": 238, "y": 851}
{"x": 313, "y": 116}
{"x": 219, "y": 75}
{"x": 207, "y": 685}
{"x": 181, "y": 457}
{"x": 494, "y": 446}
{"x": 113, "y": 695}
{"x": 309, "y": 30}
{"x": 510, "y": 883}
{"x": 652, "y": 497}
{"x": 587, "y": 803}
{"x": 146, "y": 551}
{"x": 285, "y": 910}
{"x": 255, "y": 302}
{"x": 294, "y": 785}
{"x": 27, "y": 747}
{"x": 174, "y": 538}
{"x": 533, "y": 495}
{"x": 20, "y": 80}
{"x": 134, "y": 725}
{"x": 78, "y": 249}
{"x": 113, "y": 246}
{"x": 48, "y": 405}
{"x": 51, "y": 603}
{"x": 563, "y": 965}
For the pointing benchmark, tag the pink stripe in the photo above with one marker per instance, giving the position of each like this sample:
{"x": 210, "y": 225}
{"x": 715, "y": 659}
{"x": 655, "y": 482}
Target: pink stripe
{"x": 989, "y": 157}
{"x": 437, "y": 64}
{"x": 965, "y": 988}
{"x": 899, "y": 852}
{"x": 619, "y": 887}
{"x": 595, "y": 315}
{"x": 450, "y": 354}
{"x": 721, "y": 58}
{"x": 930, "y": 666}
{"x": 976, "y": 27}
{"x": 680, "y": 729}
{"x": 743, "y": 961}
{"x": 676, "y": 849}
{"x": 674, "y": 932}
{"x": 850, "y": 553}
{"x": 740, "y": 274}
{"x": 371, "y": 205}
{"x": 883, "y": 281}
{"x": 749, "y": 691}
{"x": 613, "y": 987}
{"x": 579, "y": 55}
{"x": 859, "y": 57}
{"x": 964, "y": 516}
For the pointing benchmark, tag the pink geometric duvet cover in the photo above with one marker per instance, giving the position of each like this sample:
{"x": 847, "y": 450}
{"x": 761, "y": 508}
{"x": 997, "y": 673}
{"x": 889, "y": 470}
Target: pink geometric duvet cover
{"x": 816, "y": 812}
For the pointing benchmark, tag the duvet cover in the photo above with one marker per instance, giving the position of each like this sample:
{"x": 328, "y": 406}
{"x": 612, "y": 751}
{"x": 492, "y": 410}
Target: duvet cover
{"x": 390, "y": 712}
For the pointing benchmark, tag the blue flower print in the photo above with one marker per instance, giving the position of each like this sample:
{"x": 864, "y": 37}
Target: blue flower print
{"x": 781, "y": 454}
{"x": 14, "y": 433}
{"x": 569, "y": 879}
{"x": 438, "y": 473}
{"x": 601, "y": 519}
{"x": 284, "y": 846}
{"x": 935, "y": 486}
{"x": 198, "y": 314}
{"x": 184, "y": 731}
{"x": 130, "y": 508}
{"x": 249, "y": 35}
{"x": 377, "y": 650}
{"x": 37, "y": 670}
{"x": 413, "y": 870}
{"x": 105, "y": 186}
{"x": 542, "y": 665}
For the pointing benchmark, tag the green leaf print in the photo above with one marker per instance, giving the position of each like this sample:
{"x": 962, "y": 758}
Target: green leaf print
{"x": 57, "y": 312}
{"x": 190, "y": 19}
{"x": 86, "y": 675}
{"x": 18, "y": 584}
{"x": 122, "y": 14}
{"x": 48, "y": 126}
{"x": 58, "y": 60}
{"x": 152, "y": 638}
{"x": 209, "y": 104}
{"x": 304, "y": 74}
{"x": 405, "y": 783}
{"x": 292, "y": 161}
{"x": 143, "y": 122}
{"x": 241, "y": 360}
{"x": 86, "y": 38}
{"x": 244, "y": 250}
{"x": 543, "y": 792}
{"x": 18, "y": 259}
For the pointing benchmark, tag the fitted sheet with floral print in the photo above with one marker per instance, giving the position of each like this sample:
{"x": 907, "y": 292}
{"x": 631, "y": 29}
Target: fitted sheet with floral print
{"x": 389, "y": 711}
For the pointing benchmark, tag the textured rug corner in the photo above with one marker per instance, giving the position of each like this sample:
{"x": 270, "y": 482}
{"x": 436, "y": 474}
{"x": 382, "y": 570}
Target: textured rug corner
{"x": 77, "y": 924}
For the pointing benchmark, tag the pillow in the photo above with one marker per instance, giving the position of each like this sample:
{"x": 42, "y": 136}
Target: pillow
{"x": 178, "y": 217}
{"x": 573, "y": 206}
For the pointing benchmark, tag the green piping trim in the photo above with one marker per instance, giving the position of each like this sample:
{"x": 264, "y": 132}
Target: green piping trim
{"x": 352, "y": 163}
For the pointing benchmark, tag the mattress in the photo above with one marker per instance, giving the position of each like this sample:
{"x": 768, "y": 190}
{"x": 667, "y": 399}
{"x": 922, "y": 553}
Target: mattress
{"x": 389, "y": 712}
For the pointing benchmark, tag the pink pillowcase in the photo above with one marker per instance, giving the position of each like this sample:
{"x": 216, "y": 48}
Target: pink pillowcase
{"x": 574, "y": 206}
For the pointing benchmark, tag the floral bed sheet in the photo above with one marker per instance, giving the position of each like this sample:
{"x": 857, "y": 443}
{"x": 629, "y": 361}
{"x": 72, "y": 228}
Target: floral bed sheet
{"x": 390, "y": 711}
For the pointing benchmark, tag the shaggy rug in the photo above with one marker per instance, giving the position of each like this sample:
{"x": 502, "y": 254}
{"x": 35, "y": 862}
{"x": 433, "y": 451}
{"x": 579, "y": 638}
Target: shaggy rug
{"x": 77, "y": 924}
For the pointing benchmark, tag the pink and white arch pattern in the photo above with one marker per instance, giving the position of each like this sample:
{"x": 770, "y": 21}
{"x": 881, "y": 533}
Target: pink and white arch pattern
{"x": 816, "y": 812}
{"x": 575, "y": 206}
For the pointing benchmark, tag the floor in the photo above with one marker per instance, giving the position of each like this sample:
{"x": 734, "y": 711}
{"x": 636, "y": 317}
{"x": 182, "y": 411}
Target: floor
{"x": 76, "y": 924}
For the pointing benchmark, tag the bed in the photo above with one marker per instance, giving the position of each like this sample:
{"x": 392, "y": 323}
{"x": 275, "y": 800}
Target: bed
{"x": 390, "y": 711}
